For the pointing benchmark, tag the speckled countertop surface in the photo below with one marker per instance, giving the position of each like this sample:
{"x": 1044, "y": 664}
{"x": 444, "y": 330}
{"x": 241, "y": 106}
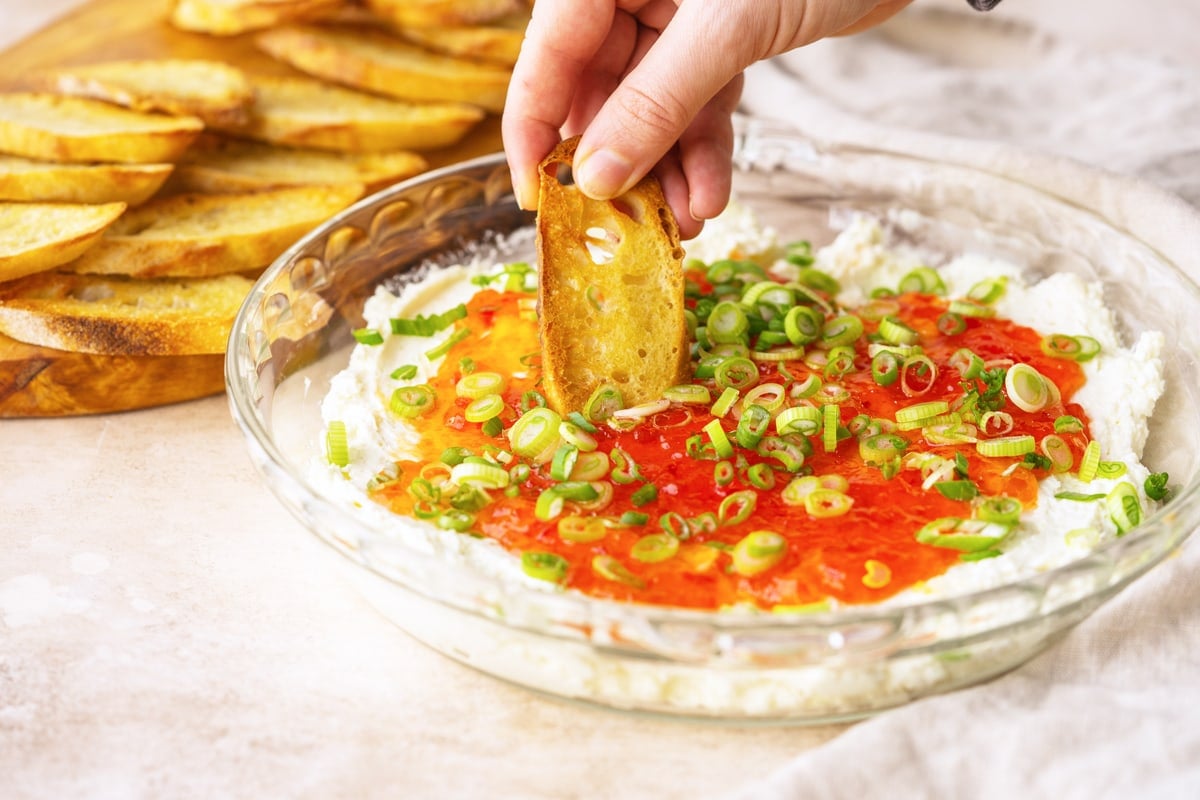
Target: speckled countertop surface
{"x": 168, "y": 630}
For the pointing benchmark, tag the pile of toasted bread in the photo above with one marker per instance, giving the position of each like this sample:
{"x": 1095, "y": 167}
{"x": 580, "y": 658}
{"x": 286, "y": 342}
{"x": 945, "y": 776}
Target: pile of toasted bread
{"x": 138, "y": 199}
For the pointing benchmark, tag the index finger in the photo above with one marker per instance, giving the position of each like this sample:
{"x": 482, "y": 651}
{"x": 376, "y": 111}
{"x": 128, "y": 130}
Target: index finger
{"x": 560, "y": 41}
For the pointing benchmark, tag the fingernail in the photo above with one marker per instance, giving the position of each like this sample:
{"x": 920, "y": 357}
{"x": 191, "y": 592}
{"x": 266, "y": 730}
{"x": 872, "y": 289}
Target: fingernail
{"x": 602, "y": 174}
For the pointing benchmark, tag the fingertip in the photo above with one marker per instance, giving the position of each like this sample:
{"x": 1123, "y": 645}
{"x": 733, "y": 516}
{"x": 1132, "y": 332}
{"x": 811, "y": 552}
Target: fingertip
{"x": 603, "y": 174}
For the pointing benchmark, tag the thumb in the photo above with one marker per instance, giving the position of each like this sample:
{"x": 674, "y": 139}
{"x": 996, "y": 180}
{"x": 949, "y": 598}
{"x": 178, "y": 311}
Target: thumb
{"x": 695, "y": 56}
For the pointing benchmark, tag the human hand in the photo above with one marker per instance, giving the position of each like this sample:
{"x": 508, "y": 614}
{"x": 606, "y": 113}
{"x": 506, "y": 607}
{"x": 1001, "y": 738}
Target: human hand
{"x": 652, "y": 84}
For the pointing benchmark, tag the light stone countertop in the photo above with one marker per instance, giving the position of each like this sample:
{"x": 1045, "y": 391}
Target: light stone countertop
{"x": 167, "y": 629}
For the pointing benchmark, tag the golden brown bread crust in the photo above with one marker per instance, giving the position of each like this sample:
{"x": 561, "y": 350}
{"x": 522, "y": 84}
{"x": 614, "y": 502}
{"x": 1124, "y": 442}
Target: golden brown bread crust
{"x": 212, "y": 91}
{"x": 41, "y": 236}
{"x": 198, "y": 235}
{"x": 384, "y": 64}
{"x": 618, "y": 321}
{"x": 78, "y": 129}
{"x": 26, "y": 180}
{"x": 122, "y": 316}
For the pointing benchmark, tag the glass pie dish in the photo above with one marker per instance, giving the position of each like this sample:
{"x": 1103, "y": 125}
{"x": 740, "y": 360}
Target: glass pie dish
{"x": 294, "y": 334}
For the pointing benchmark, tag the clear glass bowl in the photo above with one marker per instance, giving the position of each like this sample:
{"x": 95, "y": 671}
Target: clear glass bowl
{"x": 293, "y": 335}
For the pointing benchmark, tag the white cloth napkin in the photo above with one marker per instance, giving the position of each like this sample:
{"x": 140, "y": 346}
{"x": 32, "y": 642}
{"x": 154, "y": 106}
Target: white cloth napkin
{"x": 1114, "y": 709}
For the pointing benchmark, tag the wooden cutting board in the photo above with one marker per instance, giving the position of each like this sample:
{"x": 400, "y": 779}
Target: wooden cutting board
{"x": 38, "y": 381}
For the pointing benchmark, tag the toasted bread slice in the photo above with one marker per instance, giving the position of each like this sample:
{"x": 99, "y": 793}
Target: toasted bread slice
{"x": 209, "y": 90}
{"x": 377, "y": 62}
{"x": 216, "y": 165}
{"x": 495, "y": 44}
{"x": 122, "y": 316}
{"x": 54, "y": 128}
{"x": 610, "y": 291}
{"x": 35, "y": 237}
{"x": 44, "y": 382}
{"x": 26, "y": 180}
{"x": 198, "y": 235}
{"x": 302, "y": 112}
{"x": 231, "y": 17}
{"x": 441, "y": 13}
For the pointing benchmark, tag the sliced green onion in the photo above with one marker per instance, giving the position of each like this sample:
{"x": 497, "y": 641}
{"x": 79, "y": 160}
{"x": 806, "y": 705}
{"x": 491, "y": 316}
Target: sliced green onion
{"x": 647, "y": 493}
{"x": 367, "y": 336}
{"x": 768, "y": 395}
{"x": 736, "y": 372}
{"x": 752, "y": 426}
{"x": 737, "y": 507}
{"x": 970, "y": 308}
{"x": 969, "y": 365}
{"x": 1090, "y": 463}
{"x": 820, "y": 280}
{"x": 428, "y": 325}
{"x": 881, "y": 448}
{"x": 336, "y": 449}
{"x": 957, "y": 490}
{"x": 1075, "y": 348}
{"x": 727, "y": 323}
{"x": 489, "y": 476}
{"x": 802, "y": 390}
{"x": 580, "y": 421}
{"x": 611, "y": 569}
{"x": 1026, "y": 387}
{"x": 885, "y": 368}
{"x": 563, "y": 462}
{"x": 480, "y": 384}
{"x": 760, "y": 476}
{"x": 445, "y": 347}
{"x": 602, "y": 403}
{"x": 896, "y": 332}
{"x": 633, "y": 518}
{"x": 921, "y": 411}
{"x": 1004, "y": 446}
{"x": 1124, "y": 507}
{"x": 950, "y": 323}
{"x": 989, "y": 290}
{"x": 843, "y": 329}
{"x": 1080, "y": 497}
{"x": 1005, "y": 510}
{"x": 572, "y": 434}
{"x": 452, "y": 456}
{"x": 1156, "y": 486}
{"x": 757, "y": 552}
{"x": 532, "y": 399}
{"x": 728, "y": 397}
{"x": 484, "y": 408}
{"x": 922, "y": 279}
{"x": 688, "y": 394}
{"x": 412, "y": 401}
{"x": 581, "y": 529}
{"x": 549, "y": 505}
{"x": 825, "y": 503}
{"x": 534, "y": 432}
{"x": 544, "y": 566}
{"x": 404, "y": 373}
{"x": 654, "y": 547}
{"x": 830, "y": 417}
{"x": 1110, "y": 469}
{"x": 581, "y": 491}
{"x": 803, "y": 325}
{"x": 589, "y": 466}
{"x": 723, "y": 473}
{"x": 804, "y": 420}
{"x": 1056, "y": 449}
{"x": 1068, "y": 424}
{"x": 454, "y": 519}
{"x": 967, "y": 535}
{"x": 719, "y": 439}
